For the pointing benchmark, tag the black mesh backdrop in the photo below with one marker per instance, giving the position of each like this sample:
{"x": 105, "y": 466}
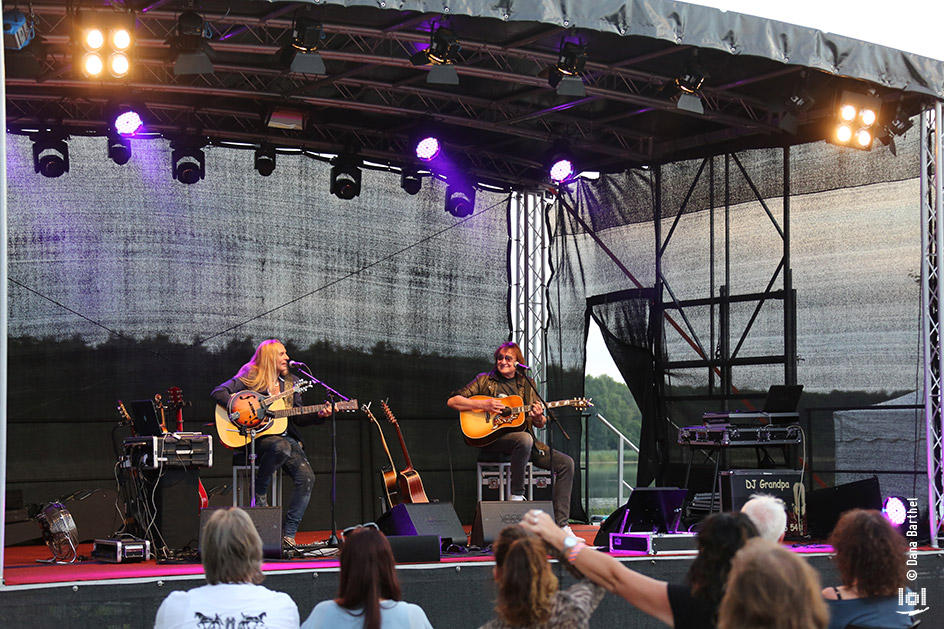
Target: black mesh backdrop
{"x": 125, "y": 282}
{"x": 855, "y": 258}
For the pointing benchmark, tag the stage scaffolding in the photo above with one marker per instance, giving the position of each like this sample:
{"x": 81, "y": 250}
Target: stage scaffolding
{"x": 932, "y": 270}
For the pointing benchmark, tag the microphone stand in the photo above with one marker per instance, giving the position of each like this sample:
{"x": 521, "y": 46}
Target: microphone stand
{"x": 332, "y": 541}
{"x": 548, "y": 413}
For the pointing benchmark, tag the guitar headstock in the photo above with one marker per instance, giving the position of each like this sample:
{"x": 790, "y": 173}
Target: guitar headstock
{"x": 176, "y": 398}
{"x": 388, "y": 413}
{"x": 346, "y": 405}
{"x": 123, "y": 413}
{"x": 370, "y": 415}
{"x": 581, "y": 402}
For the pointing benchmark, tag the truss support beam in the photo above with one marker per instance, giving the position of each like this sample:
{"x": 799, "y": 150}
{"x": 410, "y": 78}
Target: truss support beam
{"x": 932, "y": 270}
{"x": 529, "y": 269}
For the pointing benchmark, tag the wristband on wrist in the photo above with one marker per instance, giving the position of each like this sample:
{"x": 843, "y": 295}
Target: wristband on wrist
{"x": 572, "y": 555}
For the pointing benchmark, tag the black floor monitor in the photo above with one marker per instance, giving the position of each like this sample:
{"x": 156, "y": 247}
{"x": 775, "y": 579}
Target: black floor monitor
{"x": 648, "y": 510}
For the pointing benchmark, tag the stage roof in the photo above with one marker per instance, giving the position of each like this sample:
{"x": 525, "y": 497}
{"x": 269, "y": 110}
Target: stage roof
{"x": 503, "y": 116}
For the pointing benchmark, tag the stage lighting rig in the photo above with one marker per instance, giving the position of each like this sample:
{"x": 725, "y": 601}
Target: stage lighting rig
{"x": 264, "y": 160}
{"x": 689, "y": 83}
{"x": 192, "y": 57}
{"x": 188, "y": 163}
{"x": 565, "y": 75}
{"x": 442, "y": 54}
{"x": 119, "y": 148}
{"x": 410, "y": 179}
{"x": 346, "y": 176}
{"x": 301, "y": 55}
{"x": 460, "y": 199}
{"x": 18, "y": 30}
{"x": 50, "y": 153}
{"x": 856, "y": 120}
{"x": 102, "y": 44}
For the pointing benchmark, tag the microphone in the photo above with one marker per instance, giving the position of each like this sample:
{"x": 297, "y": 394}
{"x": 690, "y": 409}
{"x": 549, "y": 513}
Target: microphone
{"x": 522, "y": 366}
{"x": 294, "y": 364}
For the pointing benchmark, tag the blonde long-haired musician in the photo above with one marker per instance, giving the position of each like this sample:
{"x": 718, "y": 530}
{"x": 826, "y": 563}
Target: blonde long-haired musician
{"x": 267, "y": 373}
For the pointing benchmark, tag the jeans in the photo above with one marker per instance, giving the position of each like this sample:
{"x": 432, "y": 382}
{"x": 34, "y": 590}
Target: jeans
{"x": 518, "y": 445}
{"x": 274, "y": 452}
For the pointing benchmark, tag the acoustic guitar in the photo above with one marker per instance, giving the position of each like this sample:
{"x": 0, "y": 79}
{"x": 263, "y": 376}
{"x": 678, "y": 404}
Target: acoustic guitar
{"x": 480, "y": 428}
{"x": 390, "y": 474}
{"x": 247, "y": 410}
{"x": 411, "y": 487}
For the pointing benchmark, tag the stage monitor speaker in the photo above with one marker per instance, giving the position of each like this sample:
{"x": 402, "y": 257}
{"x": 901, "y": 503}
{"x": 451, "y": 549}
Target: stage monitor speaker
{"x": 178, "y": 507}
{"x": 648, "y": 510}
{"x": 491, "y": 516}
{"x": 424, "y": 518}
{"x": 268, "y": 523}
{"x": 825, "y": 506}
{"x": 415, "y": 548}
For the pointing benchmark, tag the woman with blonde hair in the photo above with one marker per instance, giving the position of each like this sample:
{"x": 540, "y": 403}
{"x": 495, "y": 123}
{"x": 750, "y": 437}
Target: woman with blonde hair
{"x": 528, "y": 595}
{"x": 771, "y": 587}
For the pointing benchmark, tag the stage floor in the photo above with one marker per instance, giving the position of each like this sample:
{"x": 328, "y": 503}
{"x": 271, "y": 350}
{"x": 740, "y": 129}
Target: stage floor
{"x": 457, "y": 591}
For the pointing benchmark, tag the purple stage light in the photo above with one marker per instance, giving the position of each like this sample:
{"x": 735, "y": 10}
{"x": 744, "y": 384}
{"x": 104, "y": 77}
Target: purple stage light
{"x": 128, "y": 123}
{"x": 562, "y": 170}
{"x": 427, "y": 148}
{"x": 895, "y": 510}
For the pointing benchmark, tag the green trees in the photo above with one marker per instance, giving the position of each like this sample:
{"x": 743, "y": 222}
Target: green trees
{"x": 613, "y": 400}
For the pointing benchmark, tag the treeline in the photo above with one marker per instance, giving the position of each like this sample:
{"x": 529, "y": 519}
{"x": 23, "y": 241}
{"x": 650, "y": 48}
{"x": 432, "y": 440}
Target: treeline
{"x": 612, "y": 400}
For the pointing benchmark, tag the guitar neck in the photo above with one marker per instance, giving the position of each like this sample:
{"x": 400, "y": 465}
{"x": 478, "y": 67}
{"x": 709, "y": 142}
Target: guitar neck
{"x": 406, "y": 455}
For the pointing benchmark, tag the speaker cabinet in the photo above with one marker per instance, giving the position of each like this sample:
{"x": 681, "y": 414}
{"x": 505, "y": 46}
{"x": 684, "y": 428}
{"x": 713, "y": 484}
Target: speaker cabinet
{"x": 424, "y": 518}
{"x": 825, "y": 506}
{"x": 491, "y": 516}
{"x": 268, "y": 523}
{"x": 415, "y": 548}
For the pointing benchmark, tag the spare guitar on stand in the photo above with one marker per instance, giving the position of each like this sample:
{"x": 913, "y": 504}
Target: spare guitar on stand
{"x": 411, "y": 487}
{"x": 389, "y": 476}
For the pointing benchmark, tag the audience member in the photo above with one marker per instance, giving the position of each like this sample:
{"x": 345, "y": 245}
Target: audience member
{"x": 771, "y": 587}
{"x": 769, "y": 515}
{"x": 527, "y": 588}
{"x": 870, "y": 557}
{"x": 693, "y": 605}
{"x": 369, "y": 591}
{"x": 232, "y": 558}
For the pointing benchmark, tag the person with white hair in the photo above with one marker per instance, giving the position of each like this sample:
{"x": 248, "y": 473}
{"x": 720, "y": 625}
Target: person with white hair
{"x": 232, "y": 560}
{"x": 769, "y": 515}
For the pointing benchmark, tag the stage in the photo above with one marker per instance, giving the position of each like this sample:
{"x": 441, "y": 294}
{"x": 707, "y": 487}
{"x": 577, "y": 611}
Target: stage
{"x": 457, "y": 591}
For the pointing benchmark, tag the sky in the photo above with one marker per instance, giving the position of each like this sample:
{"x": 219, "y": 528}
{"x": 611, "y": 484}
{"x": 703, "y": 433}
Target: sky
{"x": 913, "y": 26}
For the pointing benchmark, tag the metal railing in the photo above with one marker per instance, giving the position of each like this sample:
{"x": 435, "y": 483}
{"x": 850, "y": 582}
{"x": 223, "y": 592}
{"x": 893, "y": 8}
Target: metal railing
{"x": 622, "y": 441}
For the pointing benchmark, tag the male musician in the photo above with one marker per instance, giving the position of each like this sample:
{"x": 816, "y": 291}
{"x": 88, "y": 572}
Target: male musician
{"x": 267, "y": 373}
{"x": 508, "y": 379}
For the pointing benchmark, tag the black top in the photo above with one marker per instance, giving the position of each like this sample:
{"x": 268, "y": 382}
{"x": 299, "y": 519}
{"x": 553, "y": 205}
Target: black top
{"x": 689, "y": 612}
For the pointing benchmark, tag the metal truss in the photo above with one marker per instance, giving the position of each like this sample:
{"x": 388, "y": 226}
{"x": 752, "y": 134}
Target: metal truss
{"x": 529, "y": 264}
{"x": 932, "y": 271}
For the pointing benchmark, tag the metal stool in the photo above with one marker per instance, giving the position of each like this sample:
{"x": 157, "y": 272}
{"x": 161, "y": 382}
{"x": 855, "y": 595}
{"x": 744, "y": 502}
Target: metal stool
{"x": 241, "y": 485}
{"x": 503, "y": 469}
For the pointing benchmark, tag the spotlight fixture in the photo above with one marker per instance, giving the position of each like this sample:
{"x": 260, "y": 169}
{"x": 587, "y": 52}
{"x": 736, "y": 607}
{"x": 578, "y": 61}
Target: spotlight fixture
{"x": 192, "y": 57}
{"x": 264, "y": 160}
{"x": 188, "y": 163}
{"x": 460, "y": 199}
{"x": 102, "y": 44}
{"x": 798, "y": 103}
{"x": 895, "y": 510}
{"x": 119, "y": 148}
{"x": 565, "y": 76}
{"x": 301, "y": 56}
{"x": 18, "y": 30}
{"x": 442, "y": 54}
{"x": 50, "y": 154}
{"x": 346, "y": 176}
{"x": 897, "y": 125}
{"x": 560, "y": 163}
{"x": 428, "y": 148}
{"x": 856, "y": 118}
{"x": 689, "y": 83}
{"x": 410, "y": 180}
